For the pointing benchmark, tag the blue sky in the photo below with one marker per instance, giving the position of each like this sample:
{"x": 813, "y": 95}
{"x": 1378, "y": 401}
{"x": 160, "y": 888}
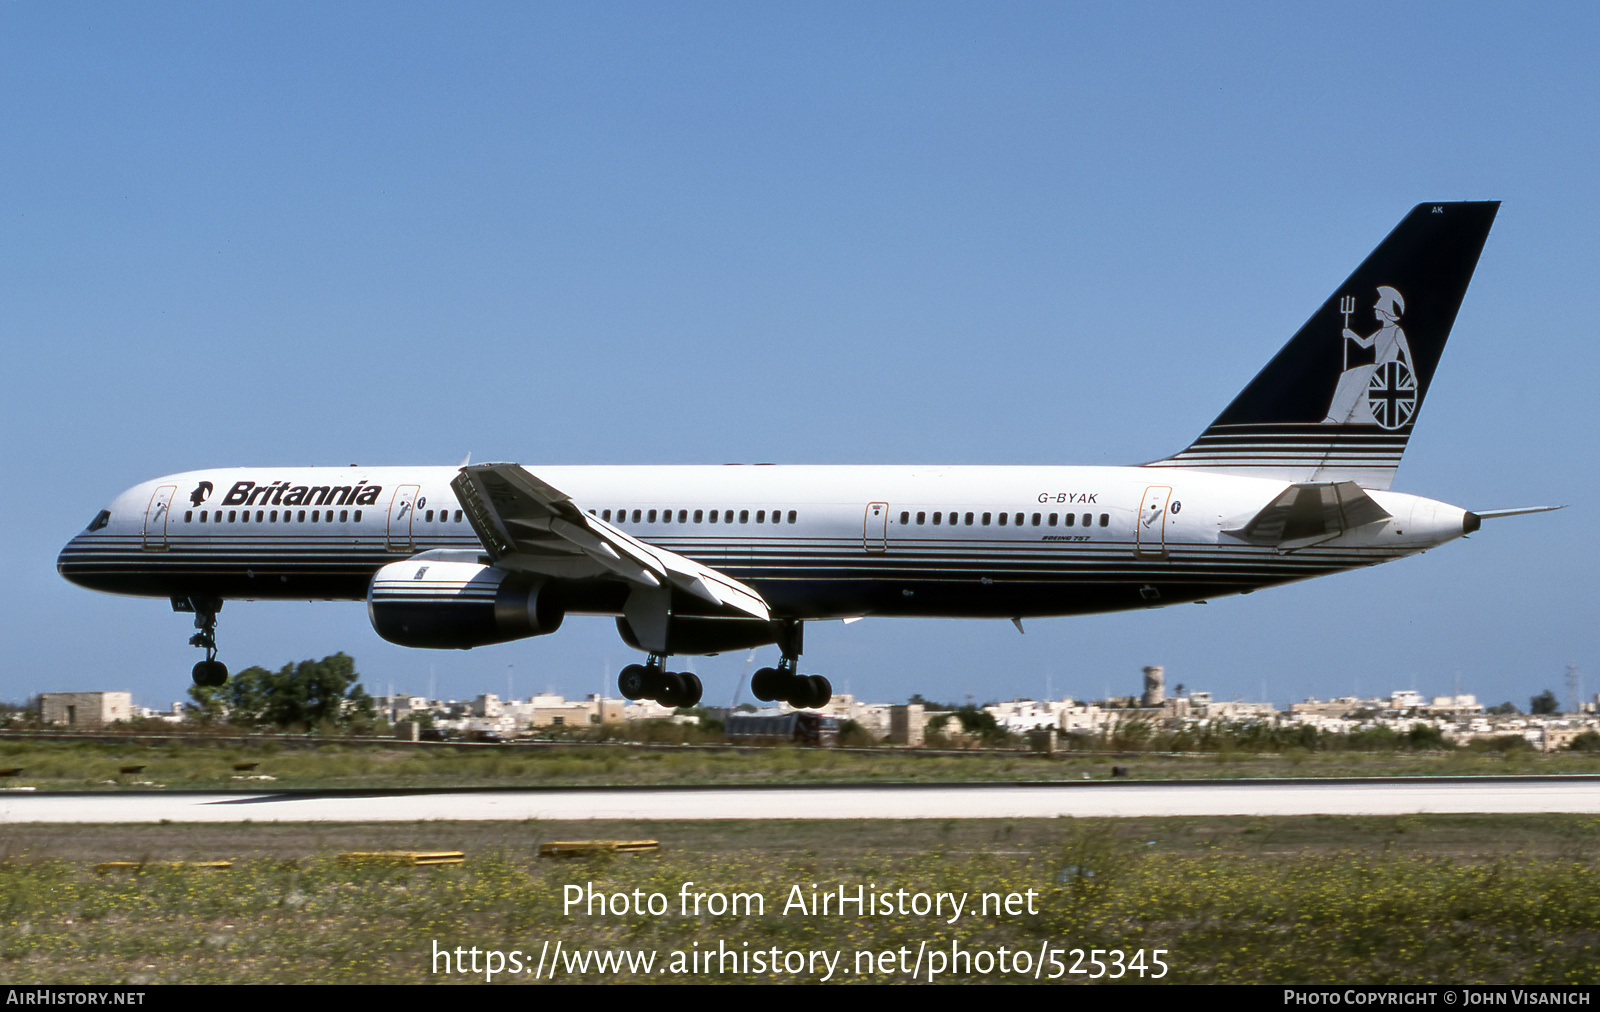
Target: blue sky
{"x": 812, "y": 233}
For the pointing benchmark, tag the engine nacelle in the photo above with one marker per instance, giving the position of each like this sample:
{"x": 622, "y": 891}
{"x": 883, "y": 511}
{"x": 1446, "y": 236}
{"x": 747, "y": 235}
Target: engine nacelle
{"x": 431, "y": 602}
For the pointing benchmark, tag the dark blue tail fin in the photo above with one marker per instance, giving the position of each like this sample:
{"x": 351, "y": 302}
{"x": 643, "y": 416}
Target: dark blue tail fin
{"x": 1339, "y": 401}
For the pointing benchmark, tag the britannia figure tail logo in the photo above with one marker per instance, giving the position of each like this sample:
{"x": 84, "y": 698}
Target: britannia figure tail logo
{"x": 1379, "y": 384}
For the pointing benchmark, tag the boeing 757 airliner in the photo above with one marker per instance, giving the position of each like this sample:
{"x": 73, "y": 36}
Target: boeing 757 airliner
{"x": 1291, "y": 481}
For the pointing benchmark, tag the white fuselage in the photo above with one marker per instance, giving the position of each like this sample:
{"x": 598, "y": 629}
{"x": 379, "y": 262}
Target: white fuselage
{"x": 815, "y": 541}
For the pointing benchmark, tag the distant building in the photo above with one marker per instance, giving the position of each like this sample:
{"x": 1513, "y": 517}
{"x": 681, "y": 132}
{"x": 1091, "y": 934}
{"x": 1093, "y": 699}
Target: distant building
{"x": 556, "y": 711}
{"x": 486, "y": 705}
{"x": 1456, "y": 705}
{"x": 85, "y": 711}
{"x": 1155, "y": 686}
{"x": 908, "y": 725}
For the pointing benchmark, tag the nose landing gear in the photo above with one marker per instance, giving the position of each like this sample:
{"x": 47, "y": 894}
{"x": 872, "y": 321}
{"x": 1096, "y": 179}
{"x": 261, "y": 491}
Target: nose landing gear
{"x": 209, "y": 673}
{"x": 650, "y": 680}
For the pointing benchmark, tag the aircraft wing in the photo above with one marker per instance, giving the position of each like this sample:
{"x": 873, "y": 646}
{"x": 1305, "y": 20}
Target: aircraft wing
{"x": 528, "y": 525}
{"x": 1309, "y": 513}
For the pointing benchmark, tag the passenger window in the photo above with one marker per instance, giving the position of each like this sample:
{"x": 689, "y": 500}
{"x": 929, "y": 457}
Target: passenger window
{"x": 1052, "y": 520}
{"x": 699, "y": 516}
{"x": 650, "y": 517}
{"x": 1070, "y": 519}
{"x": 231, "y": 515}
{"x": 791, "y": 516}
{"x": 428, "y": 518}
{"x": 202, "y": 516}
{"x": 315, "y": 514}
{"x": 358, "y": 516}
{"x": 1036, "y": 520}
{"x": 458, "y": 515}
{"x": 260, "y": 514}
{"x": 715, "y": 516}
{"x": 905, "y": 518}
{"x": 636, "y": 515}
{"x": 344, "y": 516}
{"x": 302, "y": 516}
{"x": 1088, "y": 519}
{"x": 605, "y": 515}
{"x": 1003, "y": 519}
{"x": 188, "y": 515}
{"x": 986, "y": 520}
{"x": 936, "y": 517}
{"x": 922, "y": 517}
{"x": 1105, "y": 520}
{"x": 666, "y": 516}
{"x": 244, "y": 517}
{"x": 727, "y": 516}
{"x": 683, "y": 516}
{"x": 744, "y": 516}
{"x": 969, "y": 519}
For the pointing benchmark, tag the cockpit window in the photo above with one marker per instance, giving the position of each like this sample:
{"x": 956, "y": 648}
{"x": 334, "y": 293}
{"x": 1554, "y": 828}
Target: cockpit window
{"x": 100, "y": 520}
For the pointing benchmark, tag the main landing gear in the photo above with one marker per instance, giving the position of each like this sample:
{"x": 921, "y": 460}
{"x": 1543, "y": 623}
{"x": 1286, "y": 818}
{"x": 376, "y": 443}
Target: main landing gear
{"x": 209, "y": 673}
{"x": 784, "y": 682}
{"x": 803, "y": 692}
{"x": 650, "y": 680}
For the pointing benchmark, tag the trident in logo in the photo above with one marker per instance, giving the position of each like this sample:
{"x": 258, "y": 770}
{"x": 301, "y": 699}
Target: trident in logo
{"x": 1347, "y": 305}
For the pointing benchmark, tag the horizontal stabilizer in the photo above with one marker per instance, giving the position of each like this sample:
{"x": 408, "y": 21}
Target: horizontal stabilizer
{"x": 1310, "y": 513}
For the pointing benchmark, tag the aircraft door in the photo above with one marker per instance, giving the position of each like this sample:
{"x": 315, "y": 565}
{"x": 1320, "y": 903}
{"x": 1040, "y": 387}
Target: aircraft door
{"x": 401, "y": 507}
{"x": 155, "y": 518}
{"x": 875, "y": 527}
{"x": 1150, "y": 536}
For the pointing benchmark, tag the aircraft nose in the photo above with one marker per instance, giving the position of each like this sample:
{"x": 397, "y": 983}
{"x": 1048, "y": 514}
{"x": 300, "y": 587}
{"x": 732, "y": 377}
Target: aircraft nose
{"x": 69, "y": 562}
{"x": 78, "y": 564}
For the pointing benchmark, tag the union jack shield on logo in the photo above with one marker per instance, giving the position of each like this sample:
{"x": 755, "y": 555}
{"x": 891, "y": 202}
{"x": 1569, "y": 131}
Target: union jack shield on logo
{"x": 1392, "y": 395}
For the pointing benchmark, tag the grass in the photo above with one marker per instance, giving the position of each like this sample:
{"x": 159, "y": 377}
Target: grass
{"x": 1458, "y": 899}
{"x": 94, "y": 765}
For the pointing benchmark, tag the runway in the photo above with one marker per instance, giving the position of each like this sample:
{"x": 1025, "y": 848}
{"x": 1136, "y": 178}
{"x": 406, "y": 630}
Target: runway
{"x": 1436, "y": 795}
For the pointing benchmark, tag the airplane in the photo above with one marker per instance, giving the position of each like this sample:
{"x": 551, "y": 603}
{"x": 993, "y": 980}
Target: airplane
{"x": 1290, "y": 482}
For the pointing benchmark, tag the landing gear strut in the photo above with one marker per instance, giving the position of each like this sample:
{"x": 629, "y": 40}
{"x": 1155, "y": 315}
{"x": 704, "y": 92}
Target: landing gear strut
{"x": 209, "y": 673}
{"x": 650, "y": 680}
{"x": 785, "y": 682}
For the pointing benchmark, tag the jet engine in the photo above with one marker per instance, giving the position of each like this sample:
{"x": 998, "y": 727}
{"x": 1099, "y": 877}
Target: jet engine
{"x": 444, "y": 604}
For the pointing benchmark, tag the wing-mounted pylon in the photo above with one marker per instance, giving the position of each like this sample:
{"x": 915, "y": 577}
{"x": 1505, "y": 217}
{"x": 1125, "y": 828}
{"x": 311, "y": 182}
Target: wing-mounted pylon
{"x": 528, "y": 525}
{"x": 1309, "y": 513}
